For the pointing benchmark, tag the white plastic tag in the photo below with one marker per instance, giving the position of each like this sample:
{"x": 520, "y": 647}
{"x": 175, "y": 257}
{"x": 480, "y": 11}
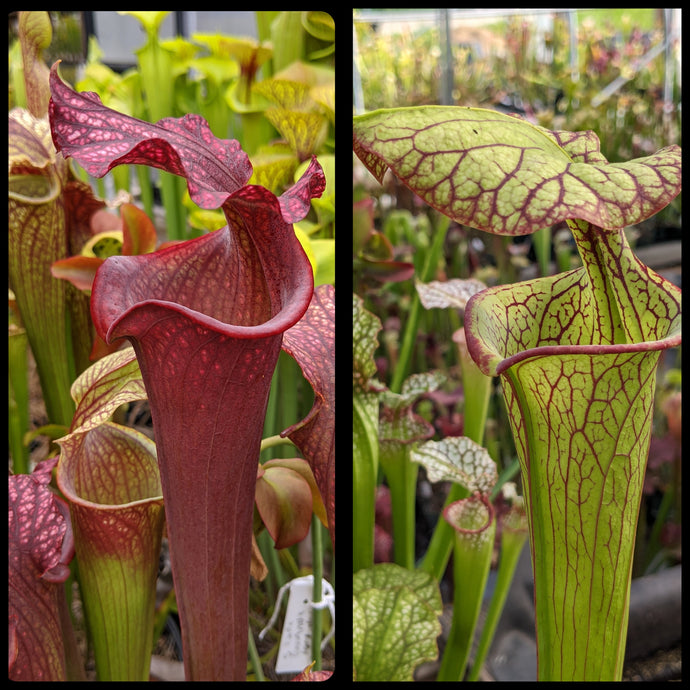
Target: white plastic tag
{"x": 295, "y": 652}
{"x": 295, "y": 642}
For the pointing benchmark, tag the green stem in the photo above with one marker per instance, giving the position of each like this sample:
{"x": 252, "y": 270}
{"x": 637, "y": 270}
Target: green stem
{"x": 410, "y": 334}
{"x": 264, "y": 19}
{"x": 654, "y": 543}
{"x": 166, "y": 607}
{"x": 276, "y": 440}
{"x": 18, "y": 406}
{"x": 254, "y": 659}
{"x": 471, "y": 564}
{"x": 441, "y": 544}
{"x": 541, "y": 240}
{"x": 283, "y": 406}
{"x": 401, "y": 475}
{"x": 100, "y": 187}
{"x": 276, "y": 578}
{"x": 146, "y": 189}
{"x": 175, "y": 221}
{"x": 477, "y": 390}
{"x": 317, "y": 568}
{"x": 289, "y": 380}
{"x": 364, "y": 472}
{"x": 256, "y": 131}
{"x": 512, "y": 543}
{"x": 121, "y": 178}
{"x": 155, "y": 67}
{"x": 270, "y": 420}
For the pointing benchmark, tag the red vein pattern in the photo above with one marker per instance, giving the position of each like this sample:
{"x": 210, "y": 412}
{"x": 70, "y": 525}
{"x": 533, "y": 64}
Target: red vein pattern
{"x": 501, "y": 174}
{"x": 101, "y": 138}
{"x": 206, "y": 318}
{"x": 311, "y": 341}
{"x": 577, "y": 352}
{"x": 41, "y": 546}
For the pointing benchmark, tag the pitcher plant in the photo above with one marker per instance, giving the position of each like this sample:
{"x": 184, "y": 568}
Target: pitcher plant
{"x": 206, "y": 318}
{"x": 576, "y": 353}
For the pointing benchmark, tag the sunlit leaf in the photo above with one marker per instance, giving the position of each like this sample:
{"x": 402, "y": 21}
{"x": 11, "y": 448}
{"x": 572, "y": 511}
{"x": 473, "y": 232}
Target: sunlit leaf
{"x": 274, "y": 166}
{"x": 324, "y": 255}
{"x": 287, "y": 94}
{"x": 214, "y": 168}
{"x": 304, "y": 132}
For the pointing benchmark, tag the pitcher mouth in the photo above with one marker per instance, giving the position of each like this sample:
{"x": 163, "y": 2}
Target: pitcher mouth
{"x": 592, "y": 350}
{"x": 507, "y": 324}
{"x": 283, "y": 303}
{"x": 287, "y": 317}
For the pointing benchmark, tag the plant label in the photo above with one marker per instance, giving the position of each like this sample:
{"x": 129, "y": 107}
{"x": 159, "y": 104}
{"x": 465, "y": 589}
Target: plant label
{"x": 295, "y": 652}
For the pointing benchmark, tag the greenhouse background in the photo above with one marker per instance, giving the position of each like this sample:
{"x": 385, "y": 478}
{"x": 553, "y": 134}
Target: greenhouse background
{"x": 164, "y": 64}
{"x": 615, "y": 71}
{"x": 119, "y": 35}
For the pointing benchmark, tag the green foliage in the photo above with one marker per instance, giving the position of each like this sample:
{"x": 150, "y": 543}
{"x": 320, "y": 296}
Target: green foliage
{"x": 395, "y": 622}
{"x": 234, "y": 83}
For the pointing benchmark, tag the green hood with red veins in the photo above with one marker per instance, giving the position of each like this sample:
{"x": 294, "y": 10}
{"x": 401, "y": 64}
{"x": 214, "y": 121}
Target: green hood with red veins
{"x": 577, "y": 352}
{"x": 506, "y": 176}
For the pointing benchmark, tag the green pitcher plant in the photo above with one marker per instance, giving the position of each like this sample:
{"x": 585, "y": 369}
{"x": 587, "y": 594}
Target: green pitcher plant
{"x": 48, "y": 211}
{"x": 109, "y": 477}
{"x": 576, "y": 353}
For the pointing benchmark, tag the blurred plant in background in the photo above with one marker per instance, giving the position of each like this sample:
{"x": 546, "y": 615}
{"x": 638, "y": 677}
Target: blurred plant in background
{"x": 217, "y": 77}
